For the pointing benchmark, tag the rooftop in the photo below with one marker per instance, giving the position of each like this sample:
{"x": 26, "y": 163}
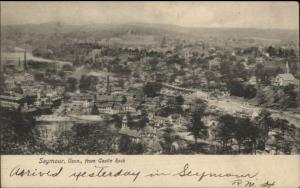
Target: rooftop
{"x": 130, "y": 133}
{"x": 286, "y": 76}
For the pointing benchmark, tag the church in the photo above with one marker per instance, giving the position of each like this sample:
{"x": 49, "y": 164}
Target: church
{"x": 286, "y": 78}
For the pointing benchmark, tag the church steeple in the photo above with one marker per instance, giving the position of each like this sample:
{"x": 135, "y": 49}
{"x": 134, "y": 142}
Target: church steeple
{"x": 124, "y": 122}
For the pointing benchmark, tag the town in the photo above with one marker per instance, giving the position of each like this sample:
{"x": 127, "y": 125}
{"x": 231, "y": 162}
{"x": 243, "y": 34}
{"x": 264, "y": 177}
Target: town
{"x": 141, "y": 93}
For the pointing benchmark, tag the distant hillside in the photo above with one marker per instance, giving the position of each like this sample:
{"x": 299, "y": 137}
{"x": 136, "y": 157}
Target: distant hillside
{"x": 31, "y": 33}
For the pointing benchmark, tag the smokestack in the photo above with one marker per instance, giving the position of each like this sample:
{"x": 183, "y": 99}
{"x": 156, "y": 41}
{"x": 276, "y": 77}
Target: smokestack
{"x": 25, "y": 61}
{"x": 19, "y": 63}
{"x": 108, "y": 90}
{"x": 1, "y": 68}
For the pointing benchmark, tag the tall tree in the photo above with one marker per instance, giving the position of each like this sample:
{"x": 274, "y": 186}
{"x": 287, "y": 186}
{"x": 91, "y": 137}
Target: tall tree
{"x": 244, "y": 132}
{"x": 224, "y": 132}
{"x": 71, "y": 84}
{"x": 197, "y": 127}
{"x": 95, "y": 110}
{"x": 2, "y": 83}
{"x": 264, "y": 122}
{"x": 210, "y": 76}
{"x": 179, "y": 100}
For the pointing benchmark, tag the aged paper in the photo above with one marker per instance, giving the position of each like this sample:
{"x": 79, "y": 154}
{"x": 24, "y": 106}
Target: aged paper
{"x": 152, "y": 171}
{"x": 150, "y": 94}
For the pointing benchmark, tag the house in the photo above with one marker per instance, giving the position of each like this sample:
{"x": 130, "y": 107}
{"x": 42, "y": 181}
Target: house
{"x": 179, "y": 80}
{"x": 80, "y": 97}
{"x": 10, "y": 84}
{"x": 259, "y": 60}
{"x": 110, "y": 104}
{"x": 159, "y": 121}
{"x": 149, "y": 132}
{"x": 252, "y": 81}
{"x": 107, "y": 108}
{"x": 136, "y": 93}
{"x": 154, "y": 147}
{"x": 285, "y": 79}
{"x": 214, "y": 64}
{"x": 177, "y": 119}
{"x": 101, "y": 88}
{"x": 9, "y": 103}
{"x": 178, "y": 146}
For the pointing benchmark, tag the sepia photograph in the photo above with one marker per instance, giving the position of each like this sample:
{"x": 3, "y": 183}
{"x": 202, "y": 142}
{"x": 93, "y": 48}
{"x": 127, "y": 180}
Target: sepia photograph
{"x": 149, "y": 78}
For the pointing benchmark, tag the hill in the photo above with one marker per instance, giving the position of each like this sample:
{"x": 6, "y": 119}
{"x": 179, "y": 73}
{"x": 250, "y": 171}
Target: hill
{"x": 37, "y": 34}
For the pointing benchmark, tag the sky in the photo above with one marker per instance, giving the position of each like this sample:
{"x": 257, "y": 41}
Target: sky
{"x": 262, "y": 15}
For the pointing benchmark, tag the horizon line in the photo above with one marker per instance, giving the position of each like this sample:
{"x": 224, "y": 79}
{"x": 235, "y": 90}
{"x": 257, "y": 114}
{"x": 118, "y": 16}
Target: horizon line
{"x": 150, "y": 23}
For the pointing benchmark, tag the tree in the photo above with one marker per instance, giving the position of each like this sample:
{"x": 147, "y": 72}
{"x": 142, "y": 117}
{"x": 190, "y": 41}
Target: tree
{"x": 38, "y": 77}
{"x": 261, "y": 97}
{"x": 285, "y": 137}
{"x": 291, "y": 93}
{"x": 18, "y": 89}
{"x": 175, "y": 59}
{"x": 271, "y": 51}
{"x": 236, "y": 88}
{"x": 210, "y": 76}
{"x": 179, "y": 100}
{"x": 199, "y": 105}
{"x": 153, "y": 62}
{"x": 135, "y": 148}
{"x": 71, "y": 84}
{"x": 198, "y": 129}
{"x": 242, "y": 131}
{"x": 144, "y": 119}
{"x": 95, "y": 110}
{"x": 152, "y": 89}
{"x": 124, "y": 100}
{"x": 2, "y": 84}
{"x": 240, "y": 71}
{"x": 259, "y": 73}
{"x": 50, "y": 72}
{"x": 253, "y": 135}
{"x": 61, "y": 74}
{"x": 124, "y": 144}
{"x": 169, "y": 137}
{"x": 225, "y": 69}
{"x": 251, "y": 60}
{"x": 88, "y": 83}
{"x": 264, "y": 122}
{"x": 67, "y": 67}
{"x": 224, "y": 132}
{"x": 249, "y": 91}
{"x": 77, "y": 61}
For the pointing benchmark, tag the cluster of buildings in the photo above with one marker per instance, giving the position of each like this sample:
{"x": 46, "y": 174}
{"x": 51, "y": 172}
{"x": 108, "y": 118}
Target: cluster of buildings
{"x": 123, "y": 94}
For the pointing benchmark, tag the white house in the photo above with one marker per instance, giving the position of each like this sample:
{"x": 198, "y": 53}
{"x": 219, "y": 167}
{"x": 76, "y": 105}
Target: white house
{"x": 285, "y": 79}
